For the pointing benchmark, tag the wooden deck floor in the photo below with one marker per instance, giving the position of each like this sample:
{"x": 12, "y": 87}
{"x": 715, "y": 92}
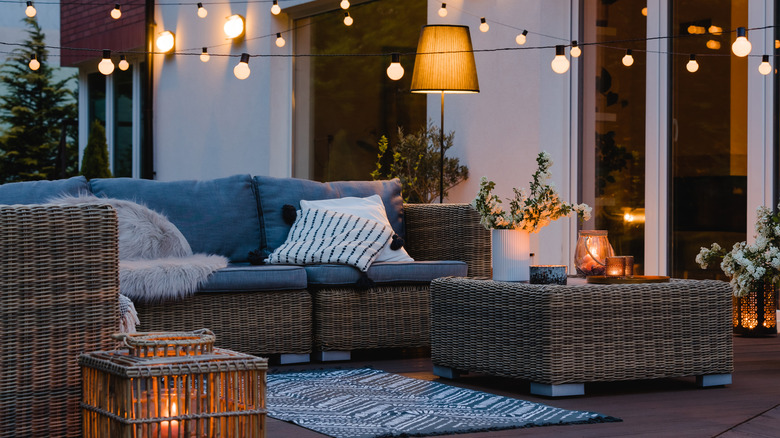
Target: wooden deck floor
{"x": 749, "y": 407}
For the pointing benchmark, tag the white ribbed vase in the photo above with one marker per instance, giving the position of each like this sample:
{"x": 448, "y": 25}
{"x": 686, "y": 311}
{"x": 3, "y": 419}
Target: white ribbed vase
{"x": 511, "y": 255}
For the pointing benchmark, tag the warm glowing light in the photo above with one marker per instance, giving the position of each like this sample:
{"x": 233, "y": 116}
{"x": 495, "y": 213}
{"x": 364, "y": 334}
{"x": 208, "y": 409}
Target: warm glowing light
{"x": 234, "y": 26}
{"x": 692, "y": 65}
{"x": 275, "y": 9}
{"x": 764, "y": 68}
{"x": 696, "y": 30}
{"x": 715, "y": 30}
{"x": 575, "y": 50}
{"x": 777, "y": 44}
{"x": 344, "y": 4}
{"x": 34, "y": 63}
{"x": 204, "y": 55}
{"x": 484, "y": 27}
{"x": 395, "y": 71}
{"x": 165, "y": 41}
{"x": 279, "y": 40}
{"x": 123, "y": 64}
{"x": 202, "y": 12}
{"x": 560, "y": 64}
{"x": 30, "y": 10}
{"x": 741, "y": 46}
{"x": 628, "y": 59}
{"x": 116, "y": 13}
{"x": 241, "y": 70}
{"x": 628, "y": 217}
{"x": 106, "y": 66}
{"x": 521, "y": 37}
{"x": 443, "y": 10}
{"x": 348, "y": 19}
{"x": 644, "y": 11}
{"x": 714, "y": 45}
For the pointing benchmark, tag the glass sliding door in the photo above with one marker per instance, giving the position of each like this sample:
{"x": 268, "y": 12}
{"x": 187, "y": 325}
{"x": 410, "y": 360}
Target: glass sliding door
{"x": 123, "y": 123}
{"x": 708, "y": 127}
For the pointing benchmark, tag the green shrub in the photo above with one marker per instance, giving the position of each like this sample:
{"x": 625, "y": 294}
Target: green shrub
{"x": 95, "y": 161}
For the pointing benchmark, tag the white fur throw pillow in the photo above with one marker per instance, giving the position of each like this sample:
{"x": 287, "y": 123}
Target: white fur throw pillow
{"x": 143, "y": 233}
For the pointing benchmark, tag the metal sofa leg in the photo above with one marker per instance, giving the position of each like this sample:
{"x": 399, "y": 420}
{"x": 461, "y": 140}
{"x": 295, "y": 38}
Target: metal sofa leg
{"x": 446, "y": 372}
{"x": 288, "y": 358}
{"x": 331, "y": 356}
{"x": 564, "y": 390}
{"x": 713, "y": 380}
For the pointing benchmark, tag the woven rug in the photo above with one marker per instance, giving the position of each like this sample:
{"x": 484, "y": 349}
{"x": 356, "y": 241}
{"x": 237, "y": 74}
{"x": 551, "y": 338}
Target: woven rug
{"x": 367, "y": 403}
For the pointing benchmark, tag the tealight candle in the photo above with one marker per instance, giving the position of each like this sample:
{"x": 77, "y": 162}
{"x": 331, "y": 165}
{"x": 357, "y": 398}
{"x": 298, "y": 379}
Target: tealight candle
{"x": 616, "y": 266}
{"x": 628, "y": 270}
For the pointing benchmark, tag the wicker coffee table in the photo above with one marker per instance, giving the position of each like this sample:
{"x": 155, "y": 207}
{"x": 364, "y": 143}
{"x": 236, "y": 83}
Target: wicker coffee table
{"x": 561, "y": 337}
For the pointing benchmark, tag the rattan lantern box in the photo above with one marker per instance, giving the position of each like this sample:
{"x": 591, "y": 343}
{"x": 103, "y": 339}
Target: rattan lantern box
{"x": 172, "y": 385}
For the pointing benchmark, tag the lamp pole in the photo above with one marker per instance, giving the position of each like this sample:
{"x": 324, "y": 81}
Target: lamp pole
{"x": 441, "y": 152}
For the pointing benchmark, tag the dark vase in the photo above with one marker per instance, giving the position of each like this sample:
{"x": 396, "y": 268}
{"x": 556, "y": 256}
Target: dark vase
{"x": 754, "y": 314}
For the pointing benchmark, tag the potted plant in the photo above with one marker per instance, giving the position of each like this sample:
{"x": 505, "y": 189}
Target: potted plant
{"x": 529, "y": 211}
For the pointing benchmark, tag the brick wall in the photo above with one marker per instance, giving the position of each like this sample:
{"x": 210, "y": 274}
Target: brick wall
{"x": 89, "y": 26}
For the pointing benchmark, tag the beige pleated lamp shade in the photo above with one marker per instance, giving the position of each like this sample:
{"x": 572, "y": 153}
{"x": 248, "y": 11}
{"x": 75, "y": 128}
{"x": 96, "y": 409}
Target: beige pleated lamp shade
{"x": 445, "y": 61}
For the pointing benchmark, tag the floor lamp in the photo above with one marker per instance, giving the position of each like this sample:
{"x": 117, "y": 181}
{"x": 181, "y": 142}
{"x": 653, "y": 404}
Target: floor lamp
{"x": 444, "y": 64}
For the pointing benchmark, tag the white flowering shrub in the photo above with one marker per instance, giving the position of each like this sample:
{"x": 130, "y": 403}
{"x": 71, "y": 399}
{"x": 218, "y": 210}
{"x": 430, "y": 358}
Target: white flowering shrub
{"x": 530, "y": 210}
{"x": 749, "y": 265}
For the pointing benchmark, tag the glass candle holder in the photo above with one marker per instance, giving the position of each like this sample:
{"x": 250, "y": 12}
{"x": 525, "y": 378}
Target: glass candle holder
{"x": 616, "y": 266}
{"x": 590, "y": 255}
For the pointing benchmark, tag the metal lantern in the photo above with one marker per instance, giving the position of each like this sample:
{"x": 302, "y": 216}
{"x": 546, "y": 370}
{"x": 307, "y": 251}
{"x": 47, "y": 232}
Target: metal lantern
{"x": 754, "y": 313}
{"x": 172, "y": 385}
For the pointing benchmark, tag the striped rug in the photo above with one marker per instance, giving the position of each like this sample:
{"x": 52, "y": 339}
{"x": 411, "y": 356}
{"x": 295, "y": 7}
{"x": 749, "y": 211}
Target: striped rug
{"x": 367, "y": 403}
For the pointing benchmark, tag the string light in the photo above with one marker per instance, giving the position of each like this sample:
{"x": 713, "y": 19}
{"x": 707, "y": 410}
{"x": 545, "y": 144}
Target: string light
{"x": 204, "y": 55}
{"x": 713, "y": 44}
{"x": 106, "y": 66}
{"x": 34, "y": 63}
{"x": 521, "y": 37}
{"x": 116, "y": 13}
{"x": 234, "y": 26}
{"x": 560, "y": 64}
{"x": 348, "y": 19}
{"x": 764, "y": 68}
{"x": 123, "y": 64}
{"x": 279, "y": 40}
{"x": 275, "y": 8}
{"x": 202, "y": 12}
{"x": 715, "y": 30}
{"x": 628, "y": 59}
{"x": 644, "y": 11}
{"x": 575, "y": 50}
{"x": 30, "y": 10}
{"x": 395, "y": 71}
{"x": 241, "y": 70}
{"x": 692, "y": 65}
{"x": 741, "y": 46}
{"x": 344, "y": 4}
{"x": 484, "y": 27}
{"x": 165, "y": 41}
{"x": 443, "y": 10}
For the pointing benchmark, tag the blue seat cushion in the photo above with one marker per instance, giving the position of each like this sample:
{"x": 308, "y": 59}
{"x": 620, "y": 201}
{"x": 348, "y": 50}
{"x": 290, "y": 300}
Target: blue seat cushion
{"x": 216, "y": 216}
{"x": 40, "y": 192}
{"x": 386, "y": 272}
{"x": 243, "y": 277}
{"x": 273, "y": 193}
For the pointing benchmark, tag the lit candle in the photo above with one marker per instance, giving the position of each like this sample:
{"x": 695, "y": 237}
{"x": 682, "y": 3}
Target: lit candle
{"x": 616, "y": 266}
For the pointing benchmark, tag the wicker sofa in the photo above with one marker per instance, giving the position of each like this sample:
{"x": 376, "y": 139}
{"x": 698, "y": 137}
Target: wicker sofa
{"x": 293, "y": 311}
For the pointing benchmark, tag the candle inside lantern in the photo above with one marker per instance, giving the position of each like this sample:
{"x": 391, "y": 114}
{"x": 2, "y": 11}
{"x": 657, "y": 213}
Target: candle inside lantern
{"x": 616, "y": 266}
{"x": 170, "y": 430}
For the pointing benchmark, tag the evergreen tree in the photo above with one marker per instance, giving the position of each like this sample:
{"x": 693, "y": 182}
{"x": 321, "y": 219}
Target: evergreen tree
{"x": 95, "y": 161}
{"x": 35, "y": 108}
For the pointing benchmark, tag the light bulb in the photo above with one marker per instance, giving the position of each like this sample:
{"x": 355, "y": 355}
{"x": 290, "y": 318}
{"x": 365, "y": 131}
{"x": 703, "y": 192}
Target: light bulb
{"x": 242, "y": 69}
{"x": 348, "y": 19}
{"x": 521, "y": 37}
{"x": 30, "y": 10}
{"x": 123, "y": 64}
{"x": 166, "y": 41}
{"x": 279, "y": 40}
{"x": 777, "y": 44}
{"x": 204, "y": 55}
{"x": 106, "y": 66}
{"x": 575, "y": 50}
{"x": 741, "y": 46}
{"x": 560, "y": 64}
{"x": 484, "y": 27}
{"x": 443, "y": 10}
{"x": 344, "y": 4}
{"x": 692, "y": 65}
{"x": 644, "y": 11}
{"x": 764, "y": 68}
{"x": 34, "y": 63}
{"x": 713, "y": 44}
{"x": 395, "y": 71}
{"x": 275, "y": 9}
{"x": 116, "y": 13}
{"x": 234, "y": 26}
{"x": 715, "y": 30}
{"x": 202, "y": 12}
{"x": 628, "y": 59}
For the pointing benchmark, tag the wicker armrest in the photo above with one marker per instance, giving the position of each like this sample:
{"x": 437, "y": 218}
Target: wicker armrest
{"x": 59, "y": 296}
{"x": 448, "y": 232}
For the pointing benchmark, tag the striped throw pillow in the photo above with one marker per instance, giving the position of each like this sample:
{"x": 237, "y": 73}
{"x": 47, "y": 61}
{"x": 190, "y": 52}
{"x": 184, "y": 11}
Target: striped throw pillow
{"x": 323, "y": 236}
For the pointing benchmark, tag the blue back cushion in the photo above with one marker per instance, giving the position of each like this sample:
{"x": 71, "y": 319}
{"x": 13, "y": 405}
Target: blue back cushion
{"x": 40, "y": 192}
{"x": 216, "y": 216}
{"x": 274, "y": 193}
